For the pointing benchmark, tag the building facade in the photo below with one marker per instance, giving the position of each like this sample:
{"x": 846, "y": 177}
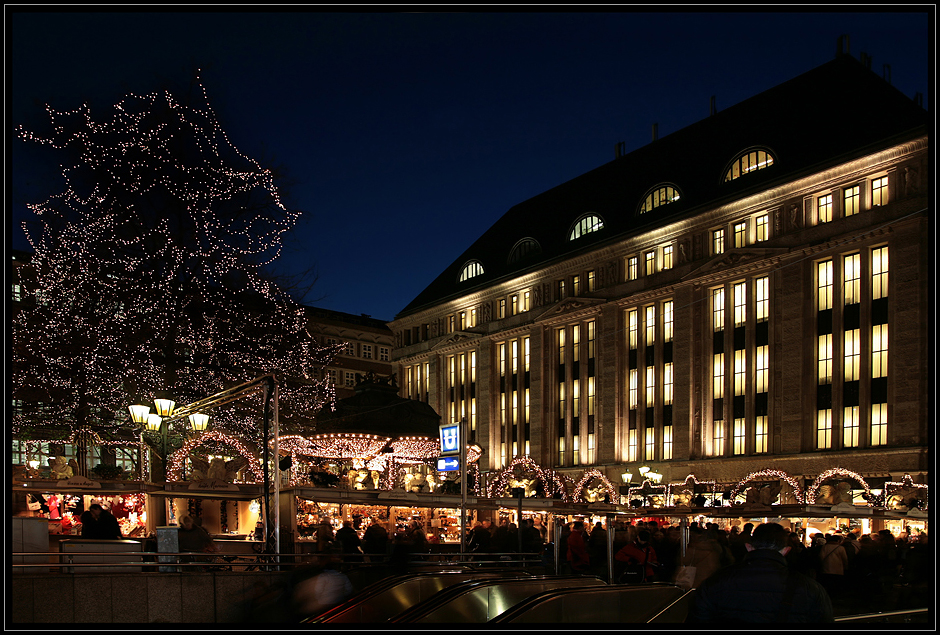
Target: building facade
{"x": 748, "y": 293}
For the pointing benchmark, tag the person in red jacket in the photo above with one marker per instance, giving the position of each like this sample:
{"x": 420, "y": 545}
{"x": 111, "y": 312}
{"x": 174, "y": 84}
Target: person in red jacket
{"x": 578, "y": 557}
{"x": 639, "y": 556}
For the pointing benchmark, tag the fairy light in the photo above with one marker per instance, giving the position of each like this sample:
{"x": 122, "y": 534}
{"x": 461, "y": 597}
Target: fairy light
{"x": 836, "y": 471}
{"x": 135, "y": 263}
{"x": 589, "y": 476}
{"x": 689, "y": 483}
{"x": 176, "y": 460}
{"x": 905, "y": 482}
{"x": 797, "y": 490}
{"x": 553, "y": 482}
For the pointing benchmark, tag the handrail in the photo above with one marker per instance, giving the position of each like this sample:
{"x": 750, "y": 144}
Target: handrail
{"x": 885, "y": 614}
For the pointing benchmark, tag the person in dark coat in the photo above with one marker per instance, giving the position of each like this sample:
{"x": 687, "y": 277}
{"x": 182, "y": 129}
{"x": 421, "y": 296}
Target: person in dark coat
{"x": 761, "y": 589}
{"x": 348, "y": 539}
{"x": 99, "y": 524}
{"x": 375, "y": 540}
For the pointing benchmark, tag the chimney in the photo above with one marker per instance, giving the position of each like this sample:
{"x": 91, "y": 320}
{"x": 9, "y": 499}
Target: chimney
{"x": 886, "y": 72}
{"x": 655, "y": 131}
{"x": 843, "y": 45}
{"x": 919, "y": 99}
{"x": 711, "y": 109}
{"x": 866, "y": 61}
{"x": 620, "y": 151}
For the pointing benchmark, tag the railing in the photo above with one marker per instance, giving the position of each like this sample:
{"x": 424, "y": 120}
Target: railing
{"x": 65, "y": 562}
{"x": 885, "y": 616}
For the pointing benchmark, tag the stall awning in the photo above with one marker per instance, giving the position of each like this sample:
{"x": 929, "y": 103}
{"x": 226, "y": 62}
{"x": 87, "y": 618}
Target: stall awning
{"x": 83, "y": 486}
{"x": 210, "y": 489}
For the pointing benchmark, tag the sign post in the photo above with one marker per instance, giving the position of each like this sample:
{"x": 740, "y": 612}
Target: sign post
{"x": 454, "y": 441}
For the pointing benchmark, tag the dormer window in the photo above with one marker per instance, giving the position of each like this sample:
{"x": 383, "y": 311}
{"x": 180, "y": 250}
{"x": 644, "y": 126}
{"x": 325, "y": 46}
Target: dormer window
{"x": 750, "y": 161}
{"x": 587, "y": 224}
{"x": 471, "y": 270}
{"x": 523, "y": 248}
{"x": 659, "y": 196}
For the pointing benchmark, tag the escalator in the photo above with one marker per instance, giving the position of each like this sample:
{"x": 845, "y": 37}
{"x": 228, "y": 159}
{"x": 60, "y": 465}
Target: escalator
{"x": 386, "y": 598}
{"x": 478, "y": 601}
{"x": 640, "y": 604}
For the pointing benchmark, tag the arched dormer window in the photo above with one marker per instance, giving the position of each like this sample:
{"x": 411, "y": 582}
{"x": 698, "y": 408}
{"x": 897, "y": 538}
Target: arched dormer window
{"x": 523, "y": 248}
{"x": 662, "y": 194}
{"x": 471, "y": 270}
{"x": 587, "y": 224}
{"x": 749, "y": 161}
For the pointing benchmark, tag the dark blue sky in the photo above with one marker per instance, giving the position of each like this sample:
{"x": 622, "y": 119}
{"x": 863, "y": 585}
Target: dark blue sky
{"x": 407, "y": 135}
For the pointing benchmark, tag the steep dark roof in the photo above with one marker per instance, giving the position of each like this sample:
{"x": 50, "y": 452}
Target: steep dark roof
{"x": 836, "y": 112}
{"x": 377, "y": 409}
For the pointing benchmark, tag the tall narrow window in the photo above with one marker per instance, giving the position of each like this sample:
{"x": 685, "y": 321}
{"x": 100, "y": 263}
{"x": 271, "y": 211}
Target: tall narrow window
{"x": 667, "y": 443}
{"x": 740, "y": 234}
{"x": 650, "y": 386}
{"x": 762, "y": 298}
{"x": 650, "y": 450}
{"x": 824, "y": 285}
{"x": 650, "y": 262}
{"x": 739, "y": 438}
{"x": 762, "y": 228}
{"x": 718, "y": 376}
{"x": 879, "y": 191}
{"x": 760, "y": 434}
{"x": 879, "y": 273}
{"x": 824, "y": 371}
{"x": 633, "y": 328}
{"x": 634, "y": 398}
{"x": 879, "y": 351}
{"x": 879, "y": 424}
{"x": 852, "y": 276}
{"x": 850, "y": 201}
{"x": 824, "y": 209}
{"x": 852, "y": 355}
{"x": 667, "y": 257}
{"x": 718, "y": 242}
{"x": 850, "y": 427}
{"x": 667, "y": 384}
{"x": 632, "y": 268}
{"x": 576, "y": 285}
{"x": 526, "y": 296}
{"x": 592, "y": 281}
{"x": 514, "y": 304}
{"x": 718, "y": 309}
{"x": 718, "y": 438}
{"x": 763, "y": 364}
{"x": 740, "y": 371}
{"x": 740, "y": 303}
{"x": 650, "y": 325}
{"x": 823, "y": 429}
{"x": 561, "y": 290}
{"x": 667, "y": 321}
{"x": 502, "y": 308}
{"x": 633, "y": 450}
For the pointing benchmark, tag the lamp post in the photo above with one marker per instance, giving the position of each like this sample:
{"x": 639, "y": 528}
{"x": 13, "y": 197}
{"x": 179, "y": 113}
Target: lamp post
{"x": 155, "y": 422}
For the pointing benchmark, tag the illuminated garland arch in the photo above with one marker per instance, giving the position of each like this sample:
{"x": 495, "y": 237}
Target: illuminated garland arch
{"x": 892, "y": 486}
{"x": 687, "y": 483}
{"x": 590, "y": 475}
{"x": 836, "y": 471}
{"x": 797, "y": 490}
{"x": 176, "y": 459}
{"x": 554, "y": 483}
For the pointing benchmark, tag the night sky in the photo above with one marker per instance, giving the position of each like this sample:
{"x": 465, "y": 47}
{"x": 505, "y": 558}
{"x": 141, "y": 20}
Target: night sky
{"x": 406, "y": 135}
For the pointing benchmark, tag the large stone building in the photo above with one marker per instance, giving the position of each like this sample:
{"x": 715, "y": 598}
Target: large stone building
{"x": 749, "y": 292}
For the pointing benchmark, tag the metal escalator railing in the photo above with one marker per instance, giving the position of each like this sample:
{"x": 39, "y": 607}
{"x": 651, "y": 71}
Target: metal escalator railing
{"x": 384, "y": 599}
{"x": 647, "y": 603}
{"x": 477, "y": 602}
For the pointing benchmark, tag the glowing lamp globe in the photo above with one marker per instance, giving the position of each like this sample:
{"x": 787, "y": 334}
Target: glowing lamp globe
{"x": 199, "y": 421}
{"x": 139, "y": 413}
{"x": 164, "y": 406}
{"x": 154, "y": 422}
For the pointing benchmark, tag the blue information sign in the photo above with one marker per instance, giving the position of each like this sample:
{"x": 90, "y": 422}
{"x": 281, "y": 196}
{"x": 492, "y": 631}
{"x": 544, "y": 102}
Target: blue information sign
{"x": 450, "y": 438}
{"x": 448, "y": 464}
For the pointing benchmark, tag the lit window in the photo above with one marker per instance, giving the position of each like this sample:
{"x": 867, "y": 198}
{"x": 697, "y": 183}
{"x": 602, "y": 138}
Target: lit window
{"x": 762, "y": 293}
{"x": 667, "y": 443}
{"x": 879, "y": 351}
{"x": 760, "y": 435}
{"x": 667, "y": 321}
{"x": 850, "y": 427}
{"x": 586, "y": 225}
{"x": 824, "y": 285}
{"x": 592, "y": 281}
{"x": 879, "y": 424}
{"x": 879, "y": 191}
{"x": 740, "y": 234}
{"x": 739, "y": 437}
{"x": 824, "y": 209}
{"x": 718, "y": 438}
{"x": 473, "y": 317}
{"x": 632, "y": 328}
{"x": 852, "y": 355}
{"x": 650, "y": 325}
{"x": 576, "y": 285}
{"x": 514, "y": 304}
{"x": 659, "y": 196}
{"x": 561, "y": 290}
{"x": 526, "y": 295}
{"x": 463, "y": 320}
{"x": 650, "y": 444}
{"x": 879, "y": 273}
{"x": 718, "y": 309}
{"x": 850, "y": 201}
{"x": 749, "y": 162}
{"x": 719, "y": 376}
{"x": 740, "y": 303}
{"x": 761, "y": 378}
{"x": 851, "y": 273}
{"x": 633, "y": 450}
{"x": 718, "y": 241}
{"x": 502, "y": 308}
{"x": 667, "y": 257}
{"x": 471, "y": 270}
{"x": 762, "y": 228}
{"x": 650, "y": 262}
{"x": 740, "y": 371}
{"x": 650, "y": 386}
{"x": 824, "y": 370}
{"x": 823, "y": 429}
{"x": 667, "y": 384}
{"x": 632, "y": 268}
{"x": 634, "y": 389}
